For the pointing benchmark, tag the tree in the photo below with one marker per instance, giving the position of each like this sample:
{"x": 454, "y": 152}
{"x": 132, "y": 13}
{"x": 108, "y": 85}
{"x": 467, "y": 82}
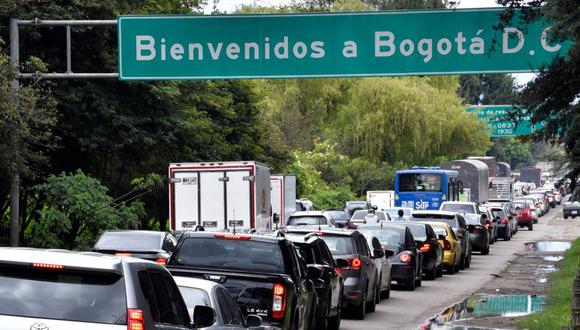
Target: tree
{"x": 76, "y": 210}
{"x": 487, "y": 89}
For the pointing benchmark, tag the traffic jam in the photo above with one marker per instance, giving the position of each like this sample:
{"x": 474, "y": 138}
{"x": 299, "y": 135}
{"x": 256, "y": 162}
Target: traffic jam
{"x": 244, "y": 252}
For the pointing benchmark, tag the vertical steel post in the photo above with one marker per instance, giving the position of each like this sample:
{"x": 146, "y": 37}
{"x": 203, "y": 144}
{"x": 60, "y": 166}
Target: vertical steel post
{"x": 15, "y": 180}
{"x": 68, "y": 53}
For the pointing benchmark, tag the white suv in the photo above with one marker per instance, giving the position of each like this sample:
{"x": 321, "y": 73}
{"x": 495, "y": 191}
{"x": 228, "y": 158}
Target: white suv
{"x": 460, "y": 207}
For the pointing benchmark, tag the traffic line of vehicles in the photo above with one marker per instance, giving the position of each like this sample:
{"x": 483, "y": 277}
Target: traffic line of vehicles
{"x": 233, "y": 269}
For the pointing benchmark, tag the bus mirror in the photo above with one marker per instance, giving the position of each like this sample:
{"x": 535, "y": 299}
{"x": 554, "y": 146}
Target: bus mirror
{"x": 276, "y": 218}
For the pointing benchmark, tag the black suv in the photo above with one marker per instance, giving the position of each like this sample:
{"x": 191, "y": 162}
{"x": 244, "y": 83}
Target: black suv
{"x": 59, "y": 289}
{"x": 316, "y": 253}
{"x": 360, "y": 276}
{"x": 265, "y": 274}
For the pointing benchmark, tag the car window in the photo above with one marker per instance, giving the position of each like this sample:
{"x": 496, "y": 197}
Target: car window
{"x": 376, "y": 244}
{"x": 230, "y": 310}
{"x": 129, "y": 241}
{"x": 62, "y": 295}
{"x": 306, "y": 221}
{"x": 388, "y": 236}
{"x": 339, "y": 244}
{"x": 439, "y": 230}
{"x": 336, "y": 215}
{"x": 168, "y": 299}
{"x": 306, "y": 252}
{"x": 498, "y": 213}
{"x": 325, "y": 255}
{"x": 410, "y": 240}
{"x": 461, "y": 221}
{"x": 419, "y": 232}
{"x": 231, "y": 254}
{"x": 361, "y": 246}
{"x": 459, "y": 208}
{"x": 473, "y": 219}
{"x": 194, "y": 297}
{"x": 169, "y": 243}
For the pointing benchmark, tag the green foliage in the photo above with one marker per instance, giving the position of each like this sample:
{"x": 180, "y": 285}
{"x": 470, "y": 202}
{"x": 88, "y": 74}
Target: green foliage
{"x": 76, "y": 210}
{"x": 488, "y": 89}
{"x": 512, "y": 151}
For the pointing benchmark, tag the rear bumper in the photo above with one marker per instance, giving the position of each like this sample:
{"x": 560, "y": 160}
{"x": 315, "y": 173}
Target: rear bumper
{"x": 402, "y": 272}
{"x": 503, "y": 231}
{"x": 525, "y": 221}
{"x": 448, "y": 258}
{"x": 352, "y": 293}
{"x": 478, "y": 242}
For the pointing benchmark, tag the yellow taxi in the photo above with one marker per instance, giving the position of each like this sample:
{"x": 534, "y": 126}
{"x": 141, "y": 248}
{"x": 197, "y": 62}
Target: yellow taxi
{"x": 451, "y": 246}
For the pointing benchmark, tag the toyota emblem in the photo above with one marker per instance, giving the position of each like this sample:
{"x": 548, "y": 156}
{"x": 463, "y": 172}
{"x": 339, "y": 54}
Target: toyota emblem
{"x": 39, "y": 326}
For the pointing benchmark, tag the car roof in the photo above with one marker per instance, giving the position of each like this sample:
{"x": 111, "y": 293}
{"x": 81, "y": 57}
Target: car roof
{"x": 385, "y": 225}
{"x": 253, "y": 237}
{"x": 131, "y": 232}
{"x": 436, "y": 223}
{"x": 198, "y": 283}
{"x": 66, "y": 258}
{"x": 459, "y": 203}
{"x": 433, "y": 212}
{"x": 308, "y": 213}
{"x": 334, "y": 231}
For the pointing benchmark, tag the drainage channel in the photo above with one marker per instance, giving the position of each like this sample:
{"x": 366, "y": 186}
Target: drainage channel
{"x": 548, "y": 246}
{"x": 482, "y": 305}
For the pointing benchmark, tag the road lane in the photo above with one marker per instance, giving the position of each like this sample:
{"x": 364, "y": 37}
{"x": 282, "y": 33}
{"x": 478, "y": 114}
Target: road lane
{"x": 406, "y": 310}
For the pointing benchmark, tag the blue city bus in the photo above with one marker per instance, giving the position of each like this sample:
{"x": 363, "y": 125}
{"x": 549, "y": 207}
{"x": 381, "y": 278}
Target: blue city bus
{"x": 425, "y": 188}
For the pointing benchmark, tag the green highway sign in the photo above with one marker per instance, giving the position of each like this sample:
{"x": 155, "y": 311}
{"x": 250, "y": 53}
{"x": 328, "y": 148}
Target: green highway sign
{"x": 382, "y": 43}
{"x": 502, "y": 122}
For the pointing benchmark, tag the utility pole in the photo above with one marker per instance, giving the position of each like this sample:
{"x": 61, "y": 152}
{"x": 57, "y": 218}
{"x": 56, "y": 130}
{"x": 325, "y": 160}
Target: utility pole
{"x": 15, "y": 180}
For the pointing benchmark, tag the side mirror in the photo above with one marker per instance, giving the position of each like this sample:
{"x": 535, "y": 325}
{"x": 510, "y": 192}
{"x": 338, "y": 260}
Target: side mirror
{"x": 441, "y": 237}
{"x": 276, "y": 218}
{"x": 389, "y": 253}
{"x": 342, "y": 263}
{"x": 203, "y": 316}
{"x": 378, "y": 253}
{"x": 253, "y": 321}
{"x": 471, "y": 228}
{"x": 313, "y": 272}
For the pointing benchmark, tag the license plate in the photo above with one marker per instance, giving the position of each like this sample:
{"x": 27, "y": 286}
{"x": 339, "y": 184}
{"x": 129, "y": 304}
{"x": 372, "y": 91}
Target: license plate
{"x": 210, "y": 224}
{"x": 236, "y": 223}
{"x": 574, "y": 212}
{"x": 188, "y": 224}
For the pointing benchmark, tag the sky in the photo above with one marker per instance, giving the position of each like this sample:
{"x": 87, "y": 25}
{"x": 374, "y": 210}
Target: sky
{"x": 231, "y": 5}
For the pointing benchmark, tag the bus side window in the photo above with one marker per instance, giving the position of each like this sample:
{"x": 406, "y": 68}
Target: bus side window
{"x": 451, "y": 192}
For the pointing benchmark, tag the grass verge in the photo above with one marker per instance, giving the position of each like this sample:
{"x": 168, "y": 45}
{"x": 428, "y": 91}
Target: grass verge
{"x": 559, "y": 296}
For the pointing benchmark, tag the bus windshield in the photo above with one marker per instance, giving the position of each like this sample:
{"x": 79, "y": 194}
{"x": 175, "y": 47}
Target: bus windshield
{"x": 420, "y": 182}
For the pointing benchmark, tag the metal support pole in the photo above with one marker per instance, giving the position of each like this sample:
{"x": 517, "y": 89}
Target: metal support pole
{"x": 68, "y": 65}
{"x": 15, "y": 180}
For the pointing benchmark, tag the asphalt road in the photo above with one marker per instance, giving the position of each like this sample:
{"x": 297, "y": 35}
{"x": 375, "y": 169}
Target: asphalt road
{"x": 407, "y": 310}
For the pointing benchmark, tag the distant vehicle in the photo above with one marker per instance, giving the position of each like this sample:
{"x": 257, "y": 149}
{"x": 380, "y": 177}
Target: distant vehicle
{"x": 531, "y": 174}
{"x": 500, "y": 188}
{"x": 369, "y": 217}
{"x": 275, "y": 281}
{"x": 383, "y": 265}
{"x": 478, "y": 230}
{"x": 330, "y": 291}
{"x": 457, "y": 222}
{"x": 427, "y": 241}
{"x": 197, "y": 292}
{"x": 353, "y": 206}
{"x": 524, "y": 214}
{"x": 309, "y": 219}
{"x": 425, "y": 188}
{"x": 283, "y": 196}
{"x": 382, "y": 199}
{"x": 220, "y": 196}
{"x": 491, "y": 163}
{"x": 504, "y": 170}
{"x": 59, "y": 289}
{"x": 340, "y": 216}
{"x": 504, "y": 223}
{"x": 490, "y": 221}
{"x": 360, "y": 276}
{"x": 400, "y": 247}
{"x": 474, "y": 176}
{"x": 571, "y": 209}
{"x": 541, "y": 203}
{"x": 393, "y": 213}
{"x": 304, "y": 204}
{"x": 460, "y": 207}
{"x": 534, "y": 206}
{"x": 145, "y": 244}
{"x": 451, "y": 246}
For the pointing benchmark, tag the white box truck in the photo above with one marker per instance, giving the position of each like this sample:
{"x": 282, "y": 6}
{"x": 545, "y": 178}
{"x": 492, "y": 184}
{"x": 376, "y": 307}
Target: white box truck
{"x": 220, "y": 196}
{"x": 383, "y": 199}
{"x": 283, "y": 196}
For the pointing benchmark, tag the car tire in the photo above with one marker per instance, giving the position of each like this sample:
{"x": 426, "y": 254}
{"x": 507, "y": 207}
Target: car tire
{"x": 334, "y": 322}
{"x": 440, "y": 270}
{"x": 360, "y": 311}
{"x": 468, "y": 261}
{"x": 531, "y": 226}
{"x": 387, "y": 294}
{"x": 432, "y": 275}
{"x": 418, "y": 282}
{"x": 565, "y": 217}
{"x": 485, "y": 251}
{"x": 462, "y": 262}
{"x": 412, "y": 284}
{"x": 506, "y": 237}
{"x": 372, "y": 305}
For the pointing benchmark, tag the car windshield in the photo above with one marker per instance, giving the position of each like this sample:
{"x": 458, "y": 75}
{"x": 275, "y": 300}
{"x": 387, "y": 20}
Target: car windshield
{"x": 339, "y": 245}
{"x": 420, "y": 182}
{"x": 520, "y": 205}
{"x": 394, "y": 212}
{"x": 119, "y": 241}
{"x": 498, "y": 213}
{"x": 62, "y": 295}
{"x": 458, "y": 208}
{"x": 473, "y": 219}
{"x": 231, "y": 254}
{"x": 337, "y": 215}
{"x": 366, "y": 215}
{"x": 385, "y": 235}
{"x": 194, "y": 297}
{"x": 306, "y": 221}
{"x": 419, "y": 232}
{"x": 353, "y": 205}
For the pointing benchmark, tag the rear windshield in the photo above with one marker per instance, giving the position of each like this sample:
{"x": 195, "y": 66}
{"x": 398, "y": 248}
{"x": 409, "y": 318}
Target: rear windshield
{"x": 394, "y": 212}
{"x": 306, "y": 221}
{"x": 231, "y": 254}
{"x": 62, "y": 295}
{"x": 450, "y": 221}
{"x": 472, "y": 219}
{"x": 387, "y": 236}
{"x": 337, "y": 215}
{"x": 520, "y": 205}
{"x": 439, "y": 230}
{"x": 498, "y": 213}
{"x": 129, "y": 242}
{"x": 419, "y": 232}
{"x": 458, "y": 208}
{"x": 194, "y": 297}
{"x": 339, "y": 245}
{"x": 364, "y": 214}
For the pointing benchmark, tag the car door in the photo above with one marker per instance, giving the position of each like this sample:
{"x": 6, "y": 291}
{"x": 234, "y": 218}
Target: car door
{"x": 383, "y": 266}
{"x": 466, "y": 236}
{"x": 411, "y": 246}
{"x": 304, "y": 290}
{"x": 432, "y": 238}
{"x": 370, "y": 269}
{"x": 330, "y": 272}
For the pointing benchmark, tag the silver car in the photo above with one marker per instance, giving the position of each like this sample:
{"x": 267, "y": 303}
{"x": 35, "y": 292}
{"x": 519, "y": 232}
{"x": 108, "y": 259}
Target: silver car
{"x": 64, "y": 290}
{"x": 383, "y": 266}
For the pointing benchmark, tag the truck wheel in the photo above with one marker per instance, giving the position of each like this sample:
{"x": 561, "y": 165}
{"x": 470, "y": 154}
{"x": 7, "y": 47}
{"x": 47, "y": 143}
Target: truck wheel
{"x": 531, "y": 226}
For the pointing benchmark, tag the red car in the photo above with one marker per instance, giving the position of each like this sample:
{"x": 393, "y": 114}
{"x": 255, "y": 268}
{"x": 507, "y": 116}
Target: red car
{"x": 524, "y": 212}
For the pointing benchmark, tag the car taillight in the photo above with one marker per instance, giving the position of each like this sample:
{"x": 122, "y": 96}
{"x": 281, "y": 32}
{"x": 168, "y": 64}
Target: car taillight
{"x": 446, "y": 245}
{"x": 279, "y": 301}
{"x": 355, "y": 263}
{"x": 48, "y": 266}
{"x": 233, "y": 236}
{"x": 161, "y": 261}
{"x": 135, "y": 319}
{"x": 504, "y": 221}
{"x": 425, "y": 247}
{"x": 478, "y": 229}
{"x": 123, "y": 254}
{"x": 404, "y": 257}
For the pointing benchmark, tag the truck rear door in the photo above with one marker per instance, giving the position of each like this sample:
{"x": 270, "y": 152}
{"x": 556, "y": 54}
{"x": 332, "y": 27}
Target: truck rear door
{"x": 238, "y": 199}
{"x": 212, "y": 200}
{"x": 185, "y": 200}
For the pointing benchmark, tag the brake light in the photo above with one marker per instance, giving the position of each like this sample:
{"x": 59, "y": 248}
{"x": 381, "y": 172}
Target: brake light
{"x": 135, "y": 319}
{"x": 48, "y": 266}
{"x": 446, "y": 245}
{"x": 161, "y": 261}
{"x": 232, "y": 236}
{"x": 425, "y": 247}
{"x": 355, "y": 263}
{"x": 478, "y": 229}
{"x": 123, "y": 254}
{"x": 404, "y": 257}
{"x": 279, "y": 301}
{"x": 504, "y": 221}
